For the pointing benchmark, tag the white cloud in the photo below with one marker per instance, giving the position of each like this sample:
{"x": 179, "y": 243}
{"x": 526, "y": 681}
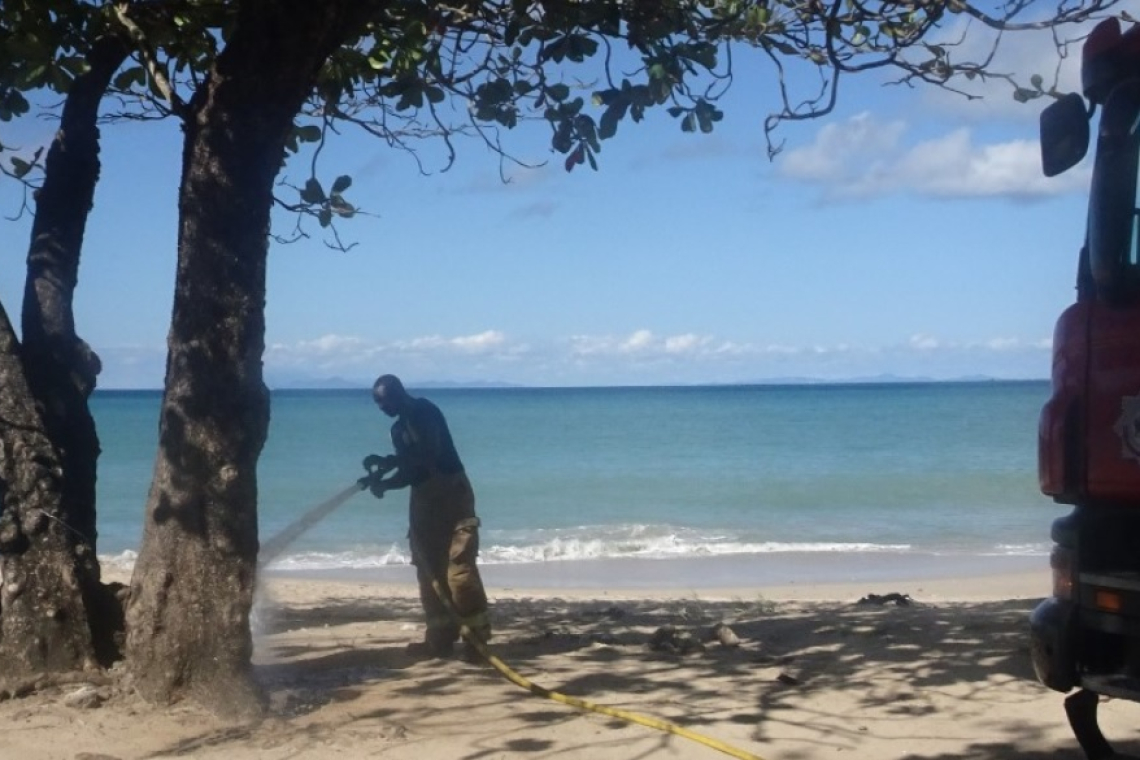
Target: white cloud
{"x": 638, "y": 358}
{"x": 952, "y": 166}
{"x": 684, "y": 344}
{"x": 484, "y": 341}
{"x": 688, "y": 357}
{"x": 639, "y": 341}
{"x": 866, "y": 156}
{"x": 863, "y": 158}
{"x": 923, "y": 342}
{"x": 645, "y": 343}
{"x": 1002, "y": 344}
{"x": 480, "y": 342}
{"x": 840, "y": 151}
{"x": 326, "y": 344}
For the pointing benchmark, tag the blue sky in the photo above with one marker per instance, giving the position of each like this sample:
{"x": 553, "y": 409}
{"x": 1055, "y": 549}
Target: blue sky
{"x": 909, "y": 233}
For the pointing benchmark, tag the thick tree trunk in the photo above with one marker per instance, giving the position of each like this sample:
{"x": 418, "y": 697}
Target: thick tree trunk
{"x": 192, "y": 589}
{"x": 47, "y": 547}
{"x": 43, "y": 622}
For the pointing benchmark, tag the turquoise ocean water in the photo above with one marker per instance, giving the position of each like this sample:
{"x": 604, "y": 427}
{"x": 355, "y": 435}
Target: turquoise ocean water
{"x": 569, "y": 475}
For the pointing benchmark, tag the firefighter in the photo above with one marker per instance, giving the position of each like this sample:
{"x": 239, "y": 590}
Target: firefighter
{"x": 444, "y": 530}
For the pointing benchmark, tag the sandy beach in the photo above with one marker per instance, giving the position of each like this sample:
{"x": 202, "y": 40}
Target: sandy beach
{"x": 808, "y": 672}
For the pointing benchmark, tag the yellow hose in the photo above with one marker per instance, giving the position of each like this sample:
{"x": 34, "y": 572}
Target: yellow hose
{"x": 582, "y": 704}
{"x": 642, "y": 720}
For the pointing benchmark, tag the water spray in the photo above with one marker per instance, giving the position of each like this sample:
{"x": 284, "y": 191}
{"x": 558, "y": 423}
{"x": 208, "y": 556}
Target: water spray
{"x": 376, "y": 466}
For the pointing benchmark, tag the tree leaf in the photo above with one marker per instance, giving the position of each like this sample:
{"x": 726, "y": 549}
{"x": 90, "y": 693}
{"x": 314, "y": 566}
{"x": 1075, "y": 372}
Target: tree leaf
{"x": 308, "y": 133}
{"x": 341, "y": 183}
{"x": 129, "y": 77}
{"x": 573, "y": 159}
{"x": 20, "y": 167}
{"x": 12, "y": 104}
{"x": 562, "y": 139}
{"x": 339, "y": 206}
{"x": 313, "y": 192}
{"x": 608, "y": 124}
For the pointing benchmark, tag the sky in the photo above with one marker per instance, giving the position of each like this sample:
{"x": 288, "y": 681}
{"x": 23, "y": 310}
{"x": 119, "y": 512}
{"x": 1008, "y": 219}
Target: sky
{"x": 908, "y": 234}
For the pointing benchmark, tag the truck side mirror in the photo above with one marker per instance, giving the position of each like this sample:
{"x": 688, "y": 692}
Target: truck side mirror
{"x": 1064, "y": 134}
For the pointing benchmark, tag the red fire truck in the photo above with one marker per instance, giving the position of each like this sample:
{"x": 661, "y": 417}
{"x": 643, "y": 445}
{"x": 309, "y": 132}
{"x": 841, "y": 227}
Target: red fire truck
{"x": 1086, "y": 636}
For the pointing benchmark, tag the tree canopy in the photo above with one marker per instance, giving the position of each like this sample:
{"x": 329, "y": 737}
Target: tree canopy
{"x": 416, "y": 70}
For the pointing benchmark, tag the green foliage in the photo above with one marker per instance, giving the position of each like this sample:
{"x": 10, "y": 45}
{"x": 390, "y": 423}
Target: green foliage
{"x": 45, "y": 45}
{"x": 505, "y": 63}
{"x": 420, "y": 69}
{"x": 42, "y": 46}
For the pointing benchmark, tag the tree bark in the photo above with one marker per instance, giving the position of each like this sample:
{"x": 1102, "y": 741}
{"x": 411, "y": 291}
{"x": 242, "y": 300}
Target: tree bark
{"x": 56, "y": 615}
{"x": 193, "y": 584}
{"x": 43, "y": 625}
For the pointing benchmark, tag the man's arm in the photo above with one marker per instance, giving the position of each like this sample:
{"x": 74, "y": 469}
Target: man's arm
{"x": 418, "y": 450}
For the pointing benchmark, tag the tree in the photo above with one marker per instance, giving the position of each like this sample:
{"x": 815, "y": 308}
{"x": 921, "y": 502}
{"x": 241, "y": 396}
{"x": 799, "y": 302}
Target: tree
{"x": 255, "y": 80}
{"x": 56, "y": 615}
{"x": 188, "y": 619}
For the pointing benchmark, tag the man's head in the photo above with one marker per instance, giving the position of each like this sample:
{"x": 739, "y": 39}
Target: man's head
{"x": 389, "y": 394}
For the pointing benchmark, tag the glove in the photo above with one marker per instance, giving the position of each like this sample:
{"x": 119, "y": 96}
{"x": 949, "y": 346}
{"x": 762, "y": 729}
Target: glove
{"x": 373, "y": 483}
{"x": 373, "y": 462}
{"x": 376, "y": 466}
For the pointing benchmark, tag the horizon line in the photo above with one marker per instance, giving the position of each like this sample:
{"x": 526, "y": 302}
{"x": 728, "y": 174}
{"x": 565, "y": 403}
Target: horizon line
{"x": 497, "y": 385}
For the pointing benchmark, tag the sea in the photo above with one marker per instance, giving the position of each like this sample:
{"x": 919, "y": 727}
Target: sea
{"x": 718, "y": 485}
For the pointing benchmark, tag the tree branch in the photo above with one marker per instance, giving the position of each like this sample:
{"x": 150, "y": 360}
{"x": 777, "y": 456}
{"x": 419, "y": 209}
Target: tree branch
{"x": 156, "y": 71}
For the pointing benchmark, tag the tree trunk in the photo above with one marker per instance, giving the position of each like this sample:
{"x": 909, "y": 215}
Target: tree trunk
{"x": 43, "y": 625}
{"x": 192, "y": 588}
{"x": 56, "y": 615}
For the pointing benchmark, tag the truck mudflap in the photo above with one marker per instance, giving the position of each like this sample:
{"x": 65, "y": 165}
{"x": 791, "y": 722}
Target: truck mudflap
{"x": 1052, "y": 631}
{"x": 1055, "y": 630}
{"x": 1080, "y": 709}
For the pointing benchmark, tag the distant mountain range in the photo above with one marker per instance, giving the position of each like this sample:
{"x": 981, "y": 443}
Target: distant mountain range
{"x": 884, "y": 379}
{"x": 337, "y": 383}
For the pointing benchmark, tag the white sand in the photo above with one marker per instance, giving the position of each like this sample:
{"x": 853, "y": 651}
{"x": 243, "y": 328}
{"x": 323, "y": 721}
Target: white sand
{"x": 816, "y": 675}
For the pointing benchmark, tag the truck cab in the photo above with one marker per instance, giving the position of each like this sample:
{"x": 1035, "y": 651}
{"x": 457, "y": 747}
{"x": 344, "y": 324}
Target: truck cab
{"x": 1086, "y": 635}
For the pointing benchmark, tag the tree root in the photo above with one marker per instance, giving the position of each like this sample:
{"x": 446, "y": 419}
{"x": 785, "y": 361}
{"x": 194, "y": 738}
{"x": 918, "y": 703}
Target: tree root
{"x": 18, "y": 689}
{"x": 899, "y": 600}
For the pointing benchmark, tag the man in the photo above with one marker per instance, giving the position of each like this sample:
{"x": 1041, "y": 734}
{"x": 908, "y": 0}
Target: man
{"x": 443, "y": 527}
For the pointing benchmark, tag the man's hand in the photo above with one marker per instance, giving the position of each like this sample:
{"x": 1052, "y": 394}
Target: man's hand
{"x": 374, "y": 462}
{"x": 377, "y": 467}
{"x": 374, "y": 483}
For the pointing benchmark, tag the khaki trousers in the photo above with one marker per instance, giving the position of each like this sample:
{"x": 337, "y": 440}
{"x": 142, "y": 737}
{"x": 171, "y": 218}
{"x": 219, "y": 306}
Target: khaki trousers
{"x": 445, "y": 543}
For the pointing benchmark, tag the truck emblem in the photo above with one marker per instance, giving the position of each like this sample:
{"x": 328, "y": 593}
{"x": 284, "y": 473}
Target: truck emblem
{"x": 1128, "y": 427}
